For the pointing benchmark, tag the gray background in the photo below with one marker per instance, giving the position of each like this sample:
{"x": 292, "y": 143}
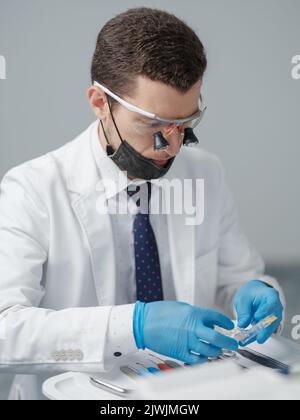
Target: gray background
{"x": 253, "y": 117}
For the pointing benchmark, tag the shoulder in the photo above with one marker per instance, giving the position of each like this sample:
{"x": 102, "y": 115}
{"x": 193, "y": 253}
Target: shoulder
{"x": 50, "y": 169}
{"x": 198, "y": 162}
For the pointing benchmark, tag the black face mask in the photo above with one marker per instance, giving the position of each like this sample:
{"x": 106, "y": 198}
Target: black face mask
{"x": 135, "y": 164}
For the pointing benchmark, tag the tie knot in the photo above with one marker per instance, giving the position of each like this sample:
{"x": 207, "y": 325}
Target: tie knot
{"x": 132, "y": 190}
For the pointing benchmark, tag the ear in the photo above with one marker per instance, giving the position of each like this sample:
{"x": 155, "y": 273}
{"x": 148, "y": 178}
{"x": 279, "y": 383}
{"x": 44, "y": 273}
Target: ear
{"x": 98, "y": 102}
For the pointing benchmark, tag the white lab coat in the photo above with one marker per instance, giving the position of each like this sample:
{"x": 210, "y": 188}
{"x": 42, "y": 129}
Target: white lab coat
{"x": 57, "y": 265}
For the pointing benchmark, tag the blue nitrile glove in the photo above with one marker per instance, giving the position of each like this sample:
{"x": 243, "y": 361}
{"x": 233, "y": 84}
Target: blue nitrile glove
{"x": 255, "y": 301}
{"x": 174, "y": 329}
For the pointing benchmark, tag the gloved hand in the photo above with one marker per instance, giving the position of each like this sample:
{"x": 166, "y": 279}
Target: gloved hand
{"x": 255, "y": 301}
{"x": 174, "y": 329}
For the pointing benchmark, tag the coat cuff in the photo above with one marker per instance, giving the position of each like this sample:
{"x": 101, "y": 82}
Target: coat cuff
{"x": 120, "y": 336}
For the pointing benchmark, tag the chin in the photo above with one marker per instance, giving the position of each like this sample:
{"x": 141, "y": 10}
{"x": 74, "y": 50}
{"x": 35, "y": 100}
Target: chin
{"x": 161, "y": 163}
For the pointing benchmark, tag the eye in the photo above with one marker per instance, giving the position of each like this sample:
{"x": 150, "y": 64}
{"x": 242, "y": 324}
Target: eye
{"x": 153, "y": 125}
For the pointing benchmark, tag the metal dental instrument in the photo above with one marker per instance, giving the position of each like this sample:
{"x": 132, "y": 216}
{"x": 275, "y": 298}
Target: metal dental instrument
{"x": 110, "y": 387}
{"x": 263, "y": 360}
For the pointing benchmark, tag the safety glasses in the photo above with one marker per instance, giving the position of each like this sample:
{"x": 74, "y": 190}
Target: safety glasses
{"x": 155, "y": 120}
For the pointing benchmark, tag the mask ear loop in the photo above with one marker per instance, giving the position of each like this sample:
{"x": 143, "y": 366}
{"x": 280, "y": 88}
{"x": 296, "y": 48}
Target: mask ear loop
{"x": 109, "y": 149}
{"x": 112, "y": 116}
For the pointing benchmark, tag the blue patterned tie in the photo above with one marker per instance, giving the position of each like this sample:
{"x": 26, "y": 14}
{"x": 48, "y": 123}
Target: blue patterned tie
{"x": 147, "y": 265}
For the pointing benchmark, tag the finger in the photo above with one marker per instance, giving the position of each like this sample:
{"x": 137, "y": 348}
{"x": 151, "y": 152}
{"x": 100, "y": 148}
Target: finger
{"x": 270, "y": 307}
{"x": 244, "y": 310}
{"x": 216, "y": 339}
{"x": 213, "y": 318}
{"x": 193, "y": 359}
{"x": 203, "y": 349}
{"x": 267, "y": 333}
{"x": 247, "y": 343}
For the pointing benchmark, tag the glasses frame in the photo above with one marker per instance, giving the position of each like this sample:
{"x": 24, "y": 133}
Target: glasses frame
{"x": 197, "y": 117}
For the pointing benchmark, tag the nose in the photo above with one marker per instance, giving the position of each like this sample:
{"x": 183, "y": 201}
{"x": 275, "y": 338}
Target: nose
{"x": 174, "y": 136}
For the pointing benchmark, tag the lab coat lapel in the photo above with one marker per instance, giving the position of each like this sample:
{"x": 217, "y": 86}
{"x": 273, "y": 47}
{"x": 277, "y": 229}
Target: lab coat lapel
{"x": 98, "y": 230}
{"x": 182, "y": 251}
{"x": 182, "y": 244}
{"x": 83, "y": 184}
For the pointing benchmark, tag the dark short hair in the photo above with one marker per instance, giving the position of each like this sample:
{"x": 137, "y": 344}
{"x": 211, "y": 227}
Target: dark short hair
{"x": 151, "y": 43}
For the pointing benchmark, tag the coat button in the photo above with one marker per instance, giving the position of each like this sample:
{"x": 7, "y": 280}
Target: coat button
{"x": 70, "y": 354}
{"x": 56, "y": 356}
{"x": 78, "y": 354}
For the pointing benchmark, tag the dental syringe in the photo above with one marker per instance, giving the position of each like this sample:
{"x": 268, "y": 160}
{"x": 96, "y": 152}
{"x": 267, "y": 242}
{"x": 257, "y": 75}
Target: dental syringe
{"x": 243, "y": 336}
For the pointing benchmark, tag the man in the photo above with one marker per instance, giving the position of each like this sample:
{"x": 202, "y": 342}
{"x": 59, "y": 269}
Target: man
{"x": 81, "y": 284}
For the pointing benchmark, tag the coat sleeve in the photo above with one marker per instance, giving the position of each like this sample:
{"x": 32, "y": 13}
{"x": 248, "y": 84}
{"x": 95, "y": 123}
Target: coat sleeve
{"x": 33, "y": 339}
{"x": 238, "y": 260}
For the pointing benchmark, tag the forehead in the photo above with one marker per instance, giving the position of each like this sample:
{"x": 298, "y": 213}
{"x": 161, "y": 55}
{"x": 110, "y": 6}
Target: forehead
{"x": 163, "y": 100}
